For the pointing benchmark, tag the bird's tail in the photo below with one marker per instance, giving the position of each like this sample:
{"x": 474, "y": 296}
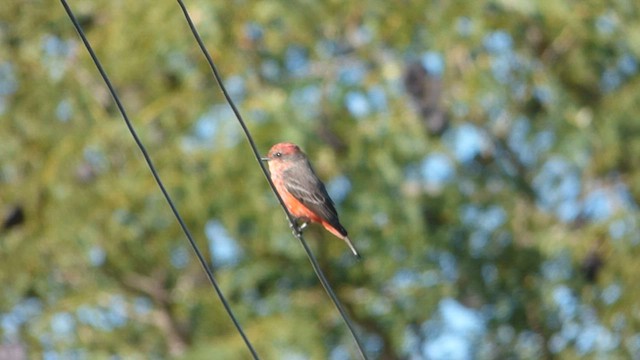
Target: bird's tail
{"x": 341, "y": 233}
{"x": 353, "y": 248}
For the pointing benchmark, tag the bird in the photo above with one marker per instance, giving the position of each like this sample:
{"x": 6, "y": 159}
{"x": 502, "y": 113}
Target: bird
{"x": 302, "y": 192}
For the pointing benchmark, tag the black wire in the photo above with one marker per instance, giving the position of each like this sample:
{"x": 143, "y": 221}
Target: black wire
{"x": 157, "y": 177}
{"x": 297, "y": 234}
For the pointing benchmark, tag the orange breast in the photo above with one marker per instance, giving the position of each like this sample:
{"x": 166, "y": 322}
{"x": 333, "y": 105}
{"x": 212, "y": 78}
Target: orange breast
{"x": 295, "y": 207}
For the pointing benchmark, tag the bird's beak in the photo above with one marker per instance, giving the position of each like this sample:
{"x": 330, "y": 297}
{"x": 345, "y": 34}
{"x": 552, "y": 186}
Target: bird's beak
{"x": 264, "y": 159}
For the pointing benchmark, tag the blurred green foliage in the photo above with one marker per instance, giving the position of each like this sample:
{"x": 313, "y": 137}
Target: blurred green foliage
{"x": 520, "y": 212}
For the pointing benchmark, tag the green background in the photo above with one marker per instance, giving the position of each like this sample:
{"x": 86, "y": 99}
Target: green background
{"x": 482, "y": 154}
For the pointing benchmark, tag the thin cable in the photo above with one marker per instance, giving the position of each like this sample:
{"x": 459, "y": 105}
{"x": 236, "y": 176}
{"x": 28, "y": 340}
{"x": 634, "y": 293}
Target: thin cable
{"x": 112, "y": 90}
{"x": 254, "y": 148}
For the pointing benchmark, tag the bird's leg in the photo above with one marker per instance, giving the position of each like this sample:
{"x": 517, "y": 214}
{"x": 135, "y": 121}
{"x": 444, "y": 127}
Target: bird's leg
{"x": 297, "y": 229}
{"x": 294, "y": 228}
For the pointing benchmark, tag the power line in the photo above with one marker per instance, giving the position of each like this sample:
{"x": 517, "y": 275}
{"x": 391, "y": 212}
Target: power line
{"x": 297, "y": 234}
{"x": 186, "y": 231}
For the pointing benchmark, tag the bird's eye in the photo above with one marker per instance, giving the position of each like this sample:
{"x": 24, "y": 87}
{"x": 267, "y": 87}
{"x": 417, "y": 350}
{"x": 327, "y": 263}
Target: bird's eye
{"x": 278, "y": 154}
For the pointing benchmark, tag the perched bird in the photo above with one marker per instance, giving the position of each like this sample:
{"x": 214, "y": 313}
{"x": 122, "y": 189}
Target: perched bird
{"x": 303, "y": 193}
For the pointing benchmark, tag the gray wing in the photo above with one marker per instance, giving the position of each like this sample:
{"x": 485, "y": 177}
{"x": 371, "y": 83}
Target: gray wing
{"x": 305, "y": 186}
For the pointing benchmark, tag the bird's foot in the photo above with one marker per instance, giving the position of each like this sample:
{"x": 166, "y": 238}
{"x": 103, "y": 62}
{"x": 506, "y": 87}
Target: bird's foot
{"x": 297, "y": 229}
